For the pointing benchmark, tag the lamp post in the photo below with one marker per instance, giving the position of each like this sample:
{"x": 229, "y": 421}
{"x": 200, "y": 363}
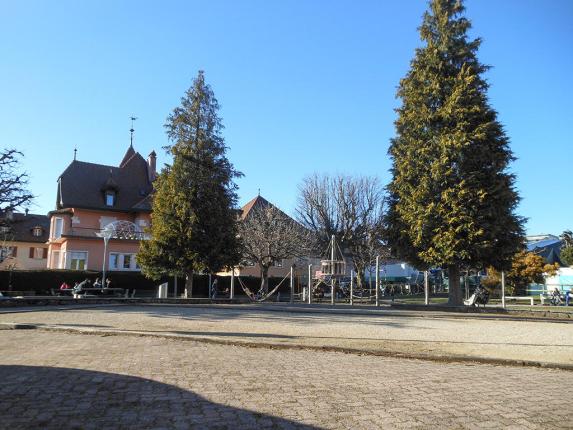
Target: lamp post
{"x": 106, "y": 234}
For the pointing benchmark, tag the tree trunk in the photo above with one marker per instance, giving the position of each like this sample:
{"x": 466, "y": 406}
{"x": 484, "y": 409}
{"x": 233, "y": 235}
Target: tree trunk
{"x": 359, "y": 278}
{"x": 189, "y": 284}
{"x": 455, "y": 297}
{"x": 265, "y": 279}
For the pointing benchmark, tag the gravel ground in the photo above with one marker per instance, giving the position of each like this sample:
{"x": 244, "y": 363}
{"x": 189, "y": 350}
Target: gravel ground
{"x": 411, "y": 333}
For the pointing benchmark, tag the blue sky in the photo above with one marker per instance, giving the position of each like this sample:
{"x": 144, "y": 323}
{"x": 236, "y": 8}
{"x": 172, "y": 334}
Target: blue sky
{"x": 304, "y": 86}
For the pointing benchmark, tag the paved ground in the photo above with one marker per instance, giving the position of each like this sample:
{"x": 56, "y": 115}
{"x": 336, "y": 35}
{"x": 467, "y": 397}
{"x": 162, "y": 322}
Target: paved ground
{"x": 60, "y": 381}
{"x": 427, "y": 334}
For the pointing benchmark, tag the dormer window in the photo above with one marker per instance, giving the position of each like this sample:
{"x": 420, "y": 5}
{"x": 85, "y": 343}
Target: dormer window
{"x": 37, "y": 231}
{"x": 110, "y": 198}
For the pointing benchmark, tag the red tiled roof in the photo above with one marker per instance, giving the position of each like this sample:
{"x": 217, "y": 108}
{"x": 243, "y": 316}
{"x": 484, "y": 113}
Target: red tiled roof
{"x": 256, "y": 203}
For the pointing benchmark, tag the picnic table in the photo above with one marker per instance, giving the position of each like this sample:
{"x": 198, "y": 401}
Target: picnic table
{"x": 100, "y": 292}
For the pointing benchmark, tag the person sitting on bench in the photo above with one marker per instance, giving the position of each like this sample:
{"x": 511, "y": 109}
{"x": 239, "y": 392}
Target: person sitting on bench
{"x": 78, "y": 289}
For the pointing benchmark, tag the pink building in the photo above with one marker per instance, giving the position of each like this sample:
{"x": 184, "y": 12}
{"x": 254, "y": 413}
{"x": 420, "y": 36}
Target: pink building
{"x": 91, "y": 196}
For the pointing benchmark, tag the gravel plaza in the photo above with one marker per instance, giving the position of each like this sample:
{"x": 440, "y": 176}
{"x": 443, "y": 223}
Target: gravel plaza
{"x": 243, "y": 367}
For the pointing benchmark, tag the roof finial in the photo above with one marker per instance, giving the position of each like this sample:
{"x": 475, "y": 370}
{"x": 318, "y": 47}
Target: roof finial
{"x": 131, "y": 130}
{"x": 75, "y": 153}
{"x": 259, "y": 192}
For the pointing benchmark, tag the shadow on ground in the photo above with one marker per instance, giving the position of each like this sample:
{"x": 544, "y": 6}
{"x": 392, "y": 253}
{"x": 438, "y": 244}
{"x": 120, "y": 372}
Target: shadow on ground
{"x": 63, "y": 398}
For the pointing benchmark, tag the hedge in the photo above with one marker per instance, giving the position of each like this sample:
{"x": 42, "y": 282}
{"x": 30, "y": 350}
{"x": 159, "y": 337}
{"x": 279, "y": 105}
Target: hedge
{"x": 40, "y": 282}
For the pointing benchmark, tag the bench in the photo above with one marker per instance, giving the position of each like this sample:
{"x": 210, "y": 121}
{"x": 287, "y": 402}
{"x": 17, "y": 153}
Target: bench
{"x": 530, "y": 298}
{"x": 545, "y": 297}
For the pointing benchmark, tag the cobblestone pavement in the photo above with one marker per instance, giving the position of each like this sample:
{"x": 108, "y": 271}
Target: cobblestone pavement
{"x": 417, "y": 334}
{"x": 60, "y": 381}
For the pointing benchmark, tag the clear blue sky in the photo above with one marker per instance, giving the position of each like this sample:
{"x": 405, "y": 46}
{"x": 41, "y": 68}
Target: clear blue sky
{"x": 304, "y": 86}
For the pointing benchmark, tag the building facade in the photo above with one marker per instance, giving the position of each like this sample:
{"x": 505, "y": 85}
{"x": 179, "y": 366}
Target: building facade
{"x": 23, "y": 239}
{"x": 89, "y": 198}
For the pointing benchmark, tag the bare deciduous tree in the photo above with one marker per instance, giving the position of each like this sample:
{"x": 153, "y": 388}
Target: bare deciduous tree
{"x": 269, "y": 236}
{"x": 13, "y": 183}
{"x": 351, "y": 208}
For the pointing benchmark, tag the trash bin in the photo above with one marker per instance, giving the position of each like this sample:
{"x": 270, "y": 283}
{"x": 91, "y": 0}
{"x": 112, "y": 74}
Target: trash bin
{"x": 162, "y": 291}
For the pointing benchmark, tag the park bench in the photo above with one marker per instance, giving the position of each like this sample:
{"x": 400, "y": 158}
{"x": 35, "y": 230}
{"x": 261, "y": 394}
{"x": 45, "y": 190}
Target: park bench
{"x": 57, "y": 292}
{"x": 530, "y": 298}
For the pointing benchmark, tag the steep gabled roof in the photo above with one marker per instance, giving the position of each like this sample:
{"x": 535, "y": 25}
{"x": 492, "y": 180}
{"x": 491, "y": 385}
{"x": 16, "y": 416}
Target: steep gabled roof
{"x": 128, "y": 155}
{"x": 257, "y": 202}
{"x": 83, "y": 185}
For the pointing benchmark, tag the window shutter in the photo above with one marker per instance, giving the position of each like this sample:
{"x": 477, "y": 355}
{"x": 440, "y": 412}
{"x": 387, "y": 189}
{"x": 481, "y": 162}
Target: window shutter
{"x": 45, "y": 255}
{"x": 14, "y": 251}
{"x": 31, "y": 254}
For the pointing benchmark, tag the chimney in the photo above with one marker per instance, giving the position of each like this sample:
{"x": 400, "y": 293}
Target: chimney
{"x": 151, "y": 166}
{"x": 10, "y": 215}
{"x": 26, "y": 212}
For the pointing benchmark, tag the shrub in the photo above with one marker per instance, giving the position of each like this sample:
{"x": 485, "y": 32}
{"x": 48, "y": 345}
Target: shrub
{"x": 41, "y": 281}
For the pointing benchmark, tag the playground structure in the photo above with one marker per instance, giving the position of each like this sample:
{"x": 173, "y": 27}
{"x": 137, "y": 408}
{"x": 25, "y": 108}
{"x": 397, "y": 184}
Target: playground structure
{"x": 334, "y": 282}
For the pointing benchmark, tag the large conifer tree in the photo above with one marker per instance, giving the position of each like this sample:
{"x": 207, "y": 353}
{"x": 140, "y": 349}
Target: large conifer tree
{"x": 194, "y": 226}
{"x": 451, "y": 199}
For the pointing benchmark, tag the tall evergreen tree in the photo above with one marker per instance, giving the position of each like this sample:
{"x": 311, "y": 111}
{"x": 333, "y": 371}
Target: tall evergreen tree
{"x": 451, "y": 199}
{"x": 194, "y": 219}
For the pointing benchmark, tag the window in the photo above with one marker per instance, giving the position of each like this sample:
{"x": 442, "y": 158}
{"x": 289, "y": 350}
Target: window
{"x": 8, "y": 251}
{"x": 58, "y": 227}
{"x": 38, "y": 253}
{"x": 278, "y": 263}
{"x": 109, "y": 198}
{"x": 78, "y": 260}
{"x": 122, "y": 262}
{"x": 56, "y": 264}
{"x": 5, "y": 229}
{"x": 113, "y": 261}
{"x": 37, "y": 231}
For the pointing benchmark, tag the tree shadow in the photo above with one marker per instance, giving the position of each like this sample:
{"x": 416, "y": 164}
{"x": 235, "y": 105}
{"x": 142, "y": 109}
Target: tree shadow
{"x": 64, "y": 398}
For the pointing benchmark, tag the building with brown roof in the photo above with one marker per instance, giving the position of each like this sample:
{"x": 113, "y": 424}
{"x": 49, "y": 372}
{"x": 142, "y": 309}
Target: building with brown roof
{"x": 91, "y": 196}
{"x": 279, "y": 269}
{"x": 23, "y": 239}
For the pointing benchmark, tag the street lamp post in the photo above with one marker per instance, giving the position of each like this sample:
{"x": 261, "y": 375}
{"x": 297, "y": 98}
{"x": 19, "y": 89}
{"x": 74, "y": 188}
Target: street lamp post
{"x": 106, "y": 234}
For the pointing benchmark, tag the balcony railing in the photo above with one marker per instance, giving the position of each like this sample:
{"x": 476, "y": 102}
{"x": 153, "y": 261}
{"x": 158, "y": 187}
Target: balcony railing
{"x": 85, "y": 232}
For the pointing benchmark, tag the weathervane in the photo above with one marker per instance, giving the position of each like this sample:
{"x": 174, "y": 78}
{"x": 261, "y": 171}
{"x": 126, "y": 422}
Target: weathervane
{"x": 131, "y": 130}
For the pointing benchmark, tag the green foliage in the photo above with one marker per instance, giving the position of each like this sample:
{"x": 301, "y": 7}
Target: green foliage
{"x": 194, "y": 217}
{"x": 451, "y": 199}
{"x": 526, "y": 268}
{"x": 567, "y": 256}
